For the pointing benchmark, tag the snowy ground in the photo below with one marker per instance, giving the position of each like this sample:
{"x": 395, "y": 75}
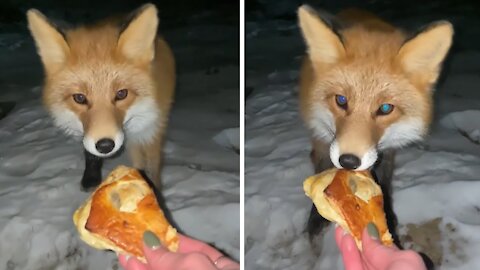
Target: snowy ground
{"x": 40, "y": 168}
{"x": 436, "y": 184}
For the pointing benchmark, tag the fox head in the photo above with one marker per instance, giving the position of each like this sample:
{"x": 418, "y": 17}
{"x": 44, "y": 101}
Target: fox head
{"x": 369, "y": 90}
{"x": 98, "y": 79}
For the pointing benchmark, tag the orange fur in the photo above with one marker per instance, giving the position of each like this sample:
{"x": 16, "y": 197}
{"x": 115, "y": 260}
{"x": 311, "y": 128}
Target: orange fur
{"x": 371, "y": 63}
{"x": 97, "y": 61}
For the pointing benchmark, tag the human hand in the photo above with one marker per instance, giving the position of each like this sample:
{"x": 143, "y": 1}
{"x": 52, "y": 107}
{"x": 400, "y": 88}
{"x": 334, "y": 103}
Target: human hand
{"x": 374, "y": 255}
{"x": 191, "y": 254}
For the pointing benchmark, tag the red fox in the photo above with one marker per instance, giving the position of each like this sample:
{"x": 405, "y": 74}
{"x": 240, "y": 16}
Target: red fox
{"x": 111, "y": 82}
{"x": 365, "y": 90}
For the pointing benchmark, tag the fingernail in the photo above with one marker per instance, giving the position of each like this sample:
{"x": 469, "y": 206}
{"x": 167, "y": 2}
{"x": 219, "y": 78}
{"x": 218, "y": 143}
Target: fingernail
{"x": 151, "y": 240}
{"x": 373, "y": 231}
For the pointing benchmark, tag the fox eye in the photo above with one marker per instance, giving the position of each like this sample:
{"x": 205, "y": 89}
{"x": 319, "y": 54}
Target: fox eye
{"x": 121, "y": 94}
{"x": 341, "y": 101}
{"x": 80, "y": 98}
{"x": 385, "y": 109}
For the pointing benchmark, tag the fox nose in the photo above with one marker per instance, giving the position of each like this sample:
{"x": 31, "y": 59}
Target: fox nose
{"x": 105, "y": 145}
{"x": 349, "y": 161}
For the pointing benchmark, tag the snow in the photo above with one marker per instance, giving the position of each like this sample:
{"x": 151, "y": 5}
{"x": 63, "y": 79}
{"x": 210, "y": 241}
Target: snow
{"x": 41, "y": 168}
{"x": 436, "y": 183}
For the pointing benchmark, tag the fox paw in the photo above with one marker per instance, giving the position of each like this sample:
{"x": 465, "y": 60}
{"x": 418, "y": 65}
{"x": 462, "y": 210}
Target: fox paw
{"x": 90, "y": 181}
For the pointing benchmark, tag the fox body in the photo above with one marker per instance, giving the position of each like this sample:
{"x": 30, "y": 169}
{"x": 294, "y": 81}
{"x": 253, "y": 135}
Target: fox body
{"x": 110, "y": 83}
{"x": 365, "y": 90}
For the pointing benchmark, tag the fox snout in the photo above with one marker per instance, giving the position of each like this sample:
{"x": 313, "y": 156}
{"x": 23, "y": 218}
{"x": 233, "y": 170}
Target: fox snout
{"x": 352, "y": 160}
{"x": 103, "y": 135}
{"x": 103, "y": 146}
{"x": 349, "y": 161}
{"x": 355, "y": 146}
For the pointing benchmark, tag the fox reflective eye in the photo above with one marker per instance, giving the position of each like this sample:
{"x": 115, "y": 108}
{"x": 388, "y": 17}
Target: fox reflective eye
{"x": 121, "y": 94}
{"x": 341, "y": 101}
{"x": 385, "y": 109}
{"x": 80, "y": 98}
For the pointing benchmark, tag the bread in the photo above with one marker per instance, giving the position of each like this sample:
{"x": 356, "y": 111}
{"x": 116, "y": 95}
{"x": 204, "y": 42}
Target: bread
{"x": 351, "y": 199}
{"x": 119, "y": 211}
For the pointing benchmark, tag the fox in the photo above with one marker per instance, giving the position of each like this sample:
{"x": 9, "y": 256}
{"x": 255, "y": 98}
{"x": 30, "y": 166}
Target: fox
{"x": 366, "y": 90}
{"x": 110, "y": 83}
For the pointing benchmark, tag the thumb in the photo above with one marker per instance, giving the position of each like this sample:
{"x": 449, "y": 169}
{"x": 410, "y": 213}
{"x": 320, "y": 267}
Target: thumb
{"x": 384, "y": 257}
{"x": 348, "y": 248}
{"x": 374, "y": 251}
{"x": 157, "y": 256}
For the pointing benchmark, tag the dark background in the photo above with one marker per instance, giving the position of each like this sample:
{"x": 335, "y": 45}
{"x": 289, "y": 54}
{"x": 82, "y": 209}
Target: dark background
{"x": 390, "y": 8}
{"x": 404, "y": 13}
{"x": 78, "y": 11}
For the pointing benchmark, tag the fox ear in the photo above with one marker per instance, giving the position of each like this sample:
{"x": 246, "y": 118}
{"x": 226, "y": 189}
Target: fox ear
{"x": 421, "y": 57}
{"x": 136, "y": 42}
{"x": 324, "y": 45}
{"x": 50, "y": 42}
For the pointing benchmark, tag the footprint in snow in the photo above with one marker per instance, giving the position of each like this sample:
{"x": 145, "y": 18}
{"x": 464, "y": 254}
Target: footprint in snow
{"x": 20, "y": 165}
{"x": 229, "y": 138}
{"x": 465, "y": 122}
{"x": 259, "y": 146}
{"x": 431, "y": 237}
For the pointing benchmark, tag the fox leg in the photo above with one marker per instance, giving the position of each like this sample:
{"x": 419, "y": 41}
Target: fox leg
{"x": 137, "y": 156}
{"x": 92, "y": 175}
{"x": 146, "y": 158}
{"x": 153, "y": 165}
{"x": 316, "y": 224}
{"x": 140, "y": 160}
{"x": 383, "y": 173}
{"x": 153, "y": 161}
